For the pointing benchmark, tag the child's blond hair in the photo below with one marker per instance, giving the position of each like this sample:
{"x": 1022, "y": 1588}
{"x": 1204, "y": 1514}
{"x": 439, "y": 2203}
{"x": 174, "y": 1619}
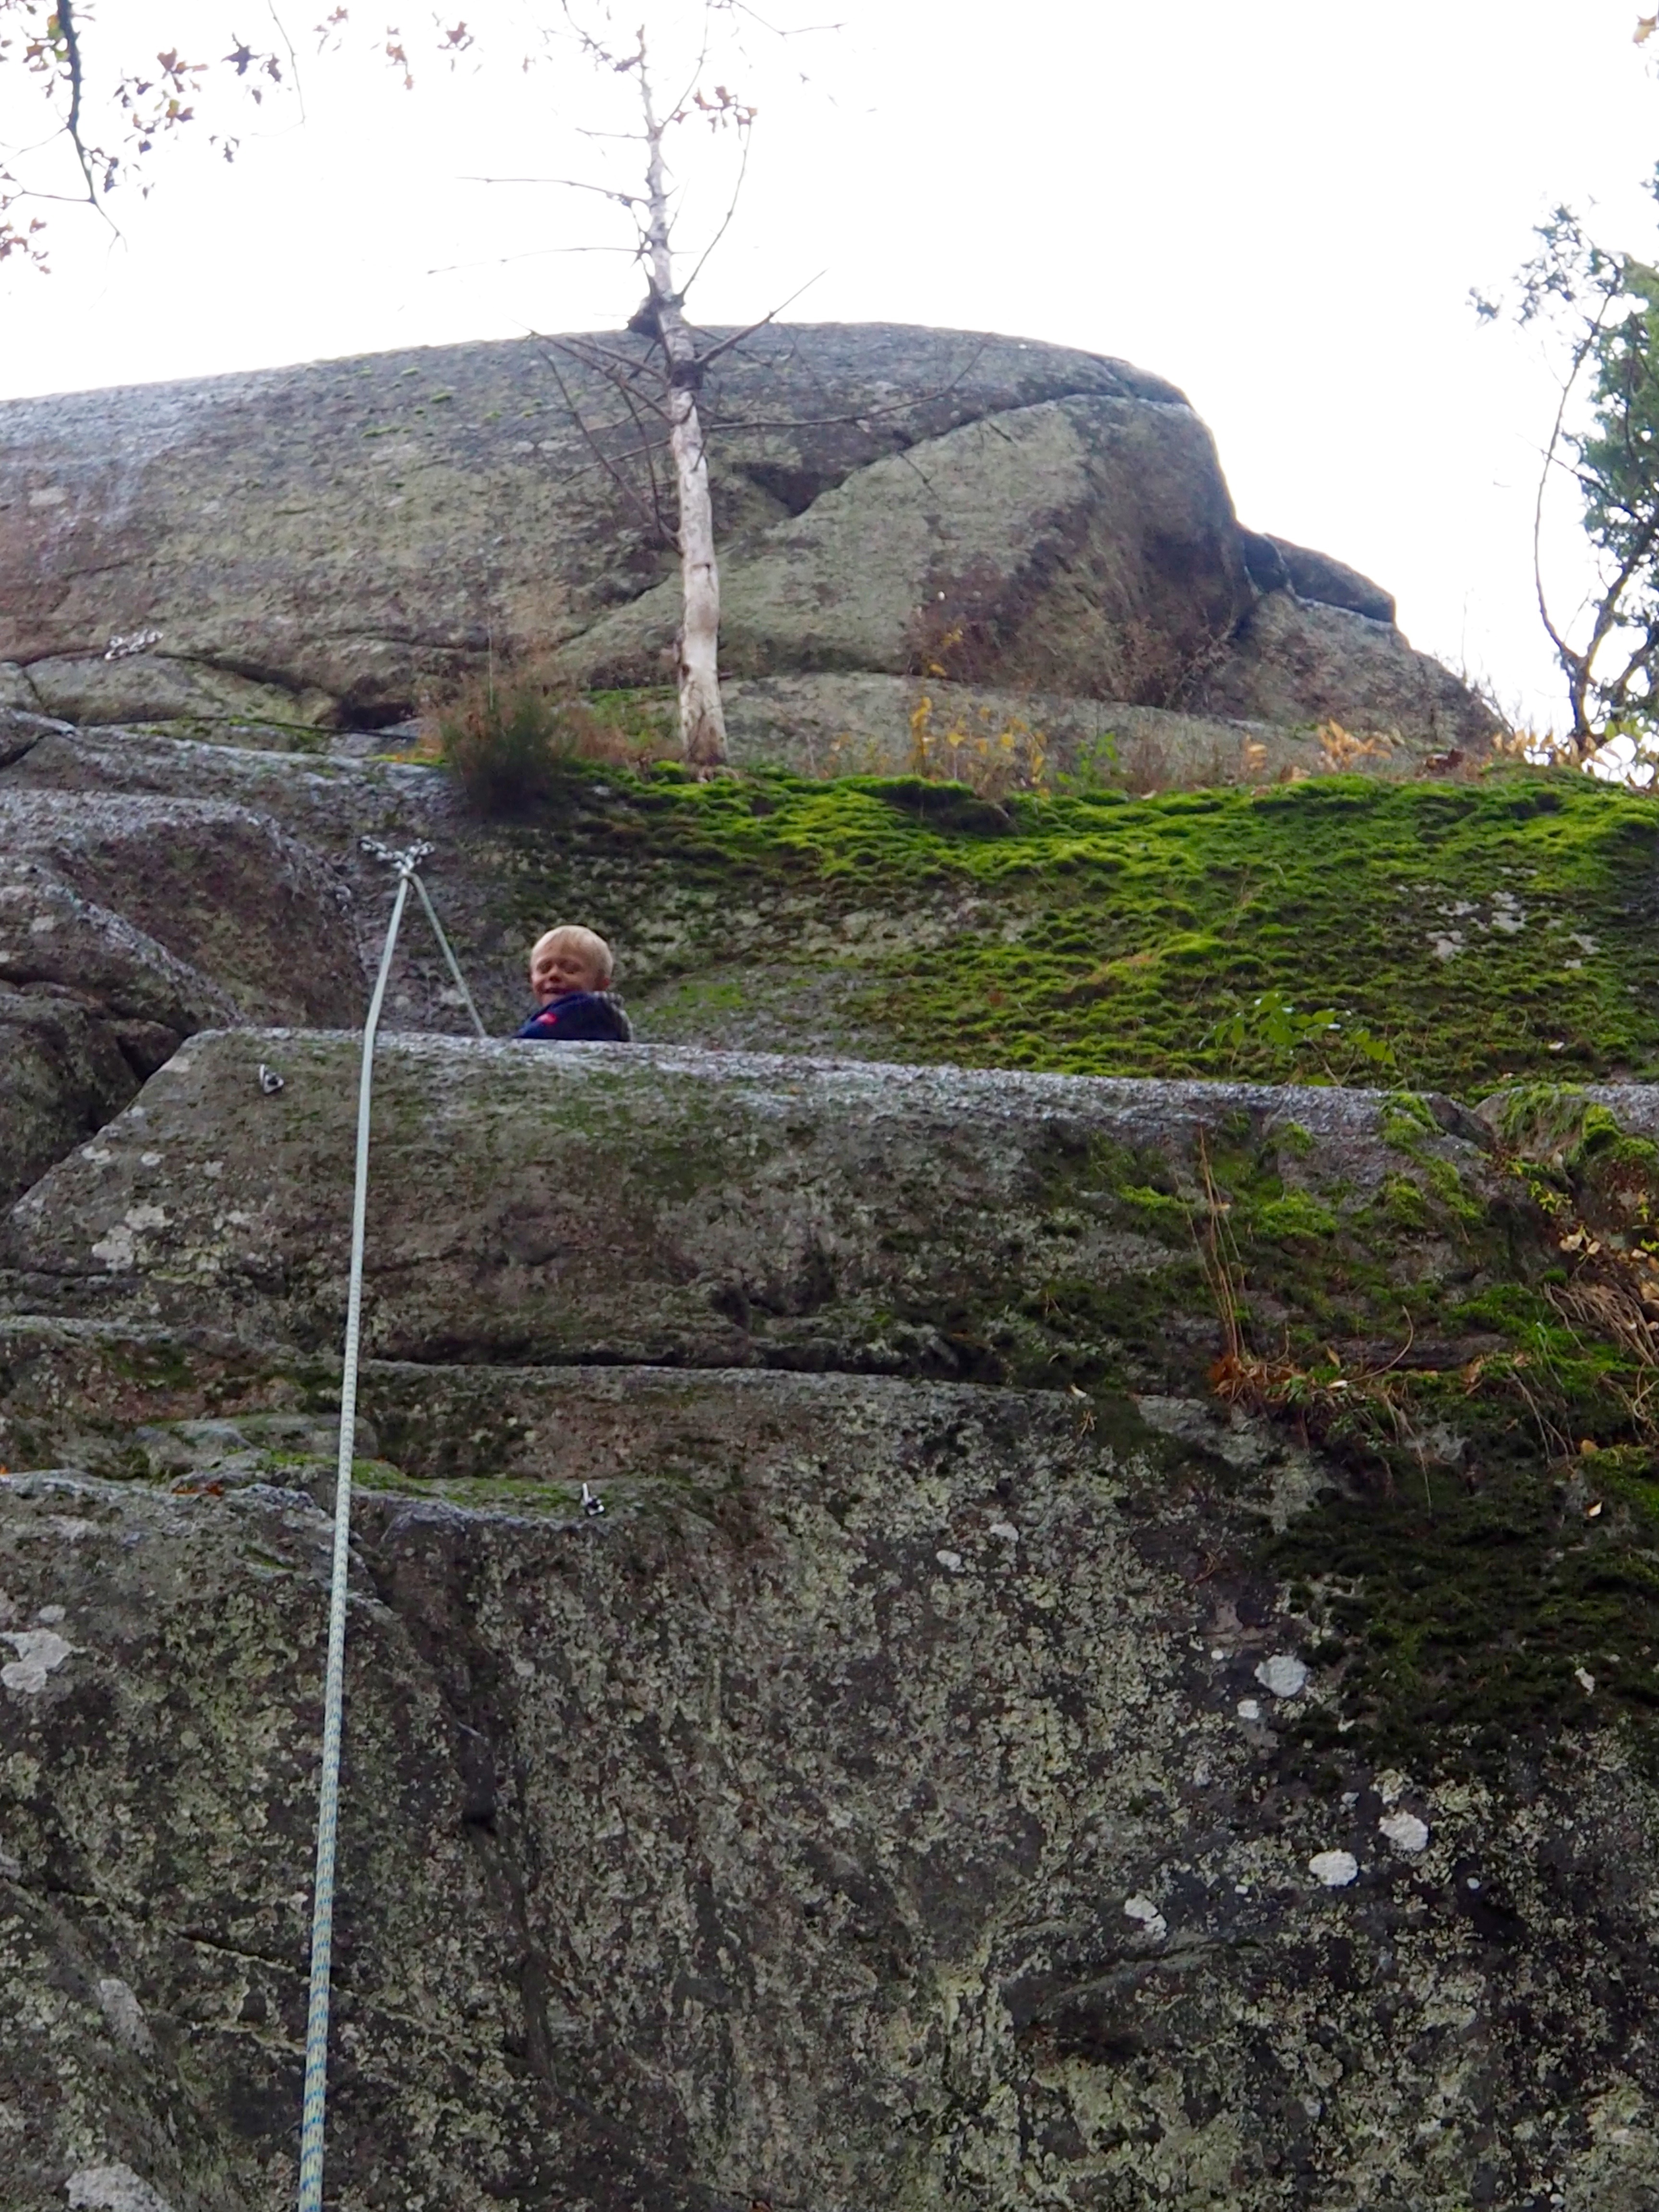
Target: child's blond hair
{"x": 588, "y": 942}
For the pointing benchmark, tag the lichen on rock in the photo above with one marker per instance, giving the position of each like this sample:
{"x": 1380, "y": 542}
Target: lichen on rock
{"x": 1118, "y": 1660}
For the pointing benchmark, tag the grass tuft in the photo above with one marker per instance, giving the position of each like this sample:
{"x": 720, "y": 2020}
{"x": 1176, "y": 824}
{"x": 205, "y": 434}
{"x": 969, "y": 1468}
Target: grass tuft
{"x": 510, "y": 739}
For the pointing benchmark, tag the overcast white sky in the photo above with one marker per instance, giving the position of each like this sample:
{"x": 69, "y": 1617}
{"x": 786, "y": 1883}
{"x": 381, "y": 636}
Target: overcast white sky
{"x": 1282, "y": 208}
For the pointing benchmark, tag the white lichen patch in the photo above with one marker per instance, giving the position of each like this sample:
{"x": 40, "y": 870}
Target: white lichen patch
{"x": 114, "y": 2188}
{"x": 1509, "y": 916}
{"x": 1336, "y": 1869}
{"x": 1143, "y": 1910}
{"x": 1299, "y": 1482}
{"x": 40, "y": 1652}
{"x": 1284, "y": 1674}
{"x": 121, "y": 2008}
{"x": 1406, "y": 1831}
{"x": 1505, "y": 914}
{"x": 119, "y": 1249}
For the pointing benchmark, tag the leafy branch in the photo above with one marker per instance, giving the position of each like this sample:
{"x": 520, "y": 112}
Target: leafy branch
{"x": 1604, "y": 306}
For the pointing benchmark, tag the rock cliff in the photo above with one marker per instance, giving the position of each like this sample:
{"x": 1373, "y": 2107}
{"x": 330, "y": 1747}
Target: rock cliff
{"x": 326, "y": 544}
{"x": 1118, "y": 1663}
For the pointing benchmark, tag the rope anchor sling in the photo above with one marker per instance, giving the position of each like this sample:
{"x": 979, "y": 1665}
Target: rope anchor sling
{"x": 314, "y": 2104}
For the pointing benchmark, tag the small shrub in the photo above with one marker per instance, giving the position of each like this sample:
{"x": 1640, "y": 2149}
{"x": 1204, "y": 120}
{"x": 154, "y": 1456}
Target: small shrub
{"x": 508, "y": 736}
{"x": 1340, "y": 1046}
{"x": 992, "y": 761}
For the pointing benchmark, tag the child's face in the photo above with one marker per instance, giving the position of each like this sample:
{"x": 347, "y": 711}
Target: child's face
{"x": 558, "y": 969}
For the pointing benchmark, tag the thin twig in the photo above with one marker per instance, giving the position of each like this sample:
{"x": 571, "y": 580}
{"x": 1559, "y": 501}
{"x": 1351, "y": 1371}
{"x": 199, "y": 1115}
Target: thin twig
{"x": 727, "y": 345}
{"x": 293, "y": 59}
{"x": 597, "y": 452}
{"x": 571, "y": 184}
{"x": 71, "y": 35}
{"x": 726, "y": 221}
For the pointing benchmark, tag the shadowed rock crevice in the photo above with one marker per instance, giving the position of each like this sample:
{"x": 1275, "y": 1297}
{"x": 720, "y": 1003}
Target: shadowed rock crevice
{"x": 128, "y": 922}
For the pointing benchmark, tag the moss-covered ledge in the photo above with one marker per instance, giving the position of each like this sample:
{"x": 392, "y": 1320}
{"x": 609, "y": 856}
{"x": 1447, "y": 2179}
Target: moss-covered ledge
{"x": 597, "y": 1203}
{"x": 1479, "y": 931}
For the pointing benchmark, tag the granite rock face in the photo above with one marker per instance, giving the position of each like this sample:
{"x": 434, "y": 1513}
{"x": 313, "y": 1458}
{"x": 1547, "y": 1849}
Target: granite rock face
{"x": 128, "y": 922}
{"x": 63, "y": 1075}
{"x": 362, "y": 526}
{"x": 861, "y": 1809}
{"x": 328, "y": 543}
{"x": 1276, "y": 565}
{"x": 1295, "y": 662}
{"x": 893, "y": 1798}
{"x": 776, "y": 1211}
{"x": 216, "y": 886}
{"x": 966, "y": 1762}
{"x": 1085, "y": 546}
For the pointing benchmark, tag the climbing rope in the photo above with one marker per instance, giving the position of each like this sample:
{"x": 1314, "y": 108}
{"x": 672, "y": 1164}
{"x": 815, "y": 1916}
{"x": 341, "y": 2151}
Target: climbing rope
{"x": 314, "y": 2104}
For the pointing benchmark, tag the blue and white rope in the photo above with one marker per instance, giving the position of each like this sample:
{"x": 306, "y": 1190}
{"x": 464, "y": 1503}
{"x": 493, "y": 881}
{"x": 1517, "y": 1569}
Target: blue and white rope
{"x": 313, "y": 2109}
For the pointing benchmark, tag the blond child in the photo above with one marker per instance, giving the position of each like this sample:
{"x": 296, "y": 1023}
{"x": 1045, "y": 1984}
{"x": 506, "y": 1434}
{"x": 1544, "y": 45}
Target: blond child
{"x": 570, "y": 972}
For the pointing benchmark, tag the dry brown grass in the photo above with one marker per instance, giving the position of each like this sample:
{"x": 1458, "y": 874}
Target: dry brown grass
{"x": 507, "y": 732}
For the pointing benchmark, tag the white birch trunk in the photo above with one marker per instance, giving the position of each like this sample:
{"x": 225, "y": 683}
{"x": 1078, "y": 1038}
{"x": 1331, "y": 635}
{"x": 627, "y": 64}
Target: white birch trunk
{"x": 702, "y": 720}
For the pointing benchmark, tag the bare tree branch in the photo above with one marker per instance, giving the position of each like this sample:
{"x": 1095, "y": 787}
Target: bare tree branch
{"x": 727, "y": 345}
{"x": 570, "y": 184}
{"x": 69, "y": 34}
{"x": 652, "y": 516}
{"x": 726, "y": 220}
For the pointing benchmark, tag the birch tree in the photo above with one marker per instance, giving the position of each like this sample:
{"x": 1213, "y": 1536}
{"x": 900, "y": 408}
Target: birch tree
{"x": 687, "y": 56}
{"x": 702, "y": 723}
{"x": 677, "y": 363}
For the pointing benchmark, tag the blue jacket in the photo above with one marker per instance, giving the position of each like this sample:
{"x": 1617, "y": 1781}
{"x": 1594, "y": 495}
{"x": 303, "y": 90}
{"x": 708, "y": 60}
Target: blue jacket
{"x": 580, "y": 1018}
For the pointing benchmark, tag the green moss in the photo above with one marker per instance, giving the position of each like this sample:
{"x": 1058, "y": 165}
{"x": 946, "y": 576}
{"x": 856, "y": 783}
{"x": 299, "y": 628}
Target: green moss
{"x": 1462, "y": 1617}
{"x": 1447, "y": 1185}
{"x": 1295, "y": 1215}
{"x": 1105, "y": 935}
{"x": 1406, "y": 1120}
{"x": 1158, "y": 1210}
{"x": 649, "y": 715}
{"x": 1403, "y": 1203}
{"x": 1498, "y": 1544}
